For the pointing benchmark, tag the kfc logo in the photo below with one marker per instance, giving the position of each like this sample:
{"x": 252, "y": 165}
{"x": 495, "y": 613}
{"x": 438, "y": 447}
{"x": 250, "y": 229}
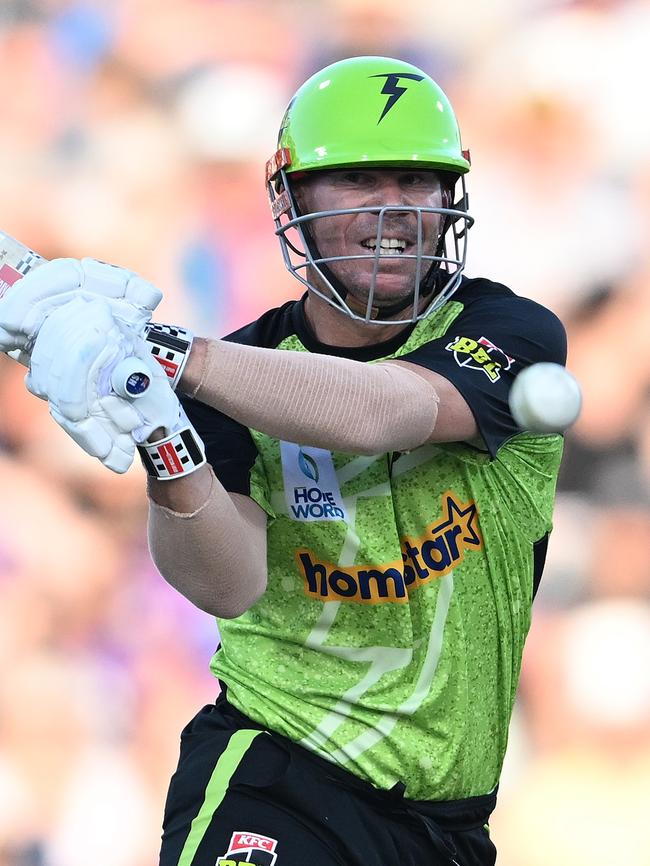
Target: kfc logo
{"x": 249, "y": 848}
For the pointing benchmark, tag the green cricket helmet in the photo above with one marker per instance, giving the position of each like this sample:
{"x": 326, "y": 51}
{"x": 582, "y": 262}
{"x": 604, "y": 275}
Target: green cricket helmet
{"x": 370, "y": 112}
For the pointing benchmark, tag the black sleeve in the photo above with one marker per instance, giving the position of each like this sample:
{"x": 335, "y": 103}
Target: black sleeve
{"x": 229, "y": 446}
{"x": 485, "y": 347}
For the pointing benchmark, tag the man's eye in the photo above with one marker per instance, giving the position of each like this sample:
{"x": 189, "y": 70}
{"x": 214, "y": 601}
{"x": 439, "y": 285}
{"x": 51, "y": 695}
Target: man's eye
{"x": 424, "y": 181}
{"x": 354, "y": 177}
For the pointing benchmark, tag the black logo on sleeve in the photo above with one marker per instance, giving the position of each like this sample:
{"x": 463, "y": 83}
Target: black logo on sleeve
{"x": 392, "y": 88}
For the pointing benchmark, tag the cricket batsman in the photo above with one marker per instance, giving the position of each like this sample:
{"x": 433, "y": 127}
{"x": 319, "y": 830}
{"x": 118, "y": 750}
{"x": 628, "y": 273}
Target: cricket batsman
{"x": 340, "y": 483}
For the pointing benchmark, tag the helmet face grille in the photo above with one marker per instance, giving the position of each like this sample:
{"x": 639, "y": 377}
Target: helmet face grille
{"x": 304, "y": 261}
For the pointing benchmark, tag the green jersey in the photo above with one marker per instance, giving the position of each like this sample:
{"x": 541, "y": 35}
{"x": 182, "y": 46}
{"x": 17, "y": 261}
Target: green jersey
{"x": 390, "y": 636}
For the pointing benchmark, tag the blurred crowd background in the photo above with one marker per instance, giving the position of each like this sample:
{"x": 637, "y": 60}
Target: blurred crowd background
{"x": 136, "y": 131}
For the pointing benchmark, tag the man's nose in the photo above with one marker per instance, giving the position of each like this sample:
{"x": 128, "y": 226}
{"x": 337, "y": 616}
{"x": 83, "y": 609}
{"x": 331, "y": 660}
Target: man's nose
{"x": 388, "y": 192}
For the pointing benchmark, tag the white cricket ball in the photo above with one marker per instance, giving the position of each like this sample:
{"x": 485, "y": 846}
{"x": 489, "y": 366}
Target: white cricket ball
{"x": 545, "y": 398}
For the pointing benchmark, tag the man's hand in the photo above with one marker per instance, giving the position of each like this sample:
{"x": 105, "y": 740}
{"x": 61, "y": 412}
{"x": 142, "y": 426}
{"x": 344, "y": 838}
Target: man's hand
{"x": 27, "y": 304}
{"x": 77, "y": 349}
{"x": 76, "y": 344}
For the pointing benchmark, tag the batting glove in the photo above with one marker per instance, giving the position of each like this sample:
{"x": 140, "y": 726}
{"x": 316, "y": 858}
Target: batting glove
{"x": 78, "y": 353}
{"x": 27, "y": 304}
{"x": 75, "y": 343}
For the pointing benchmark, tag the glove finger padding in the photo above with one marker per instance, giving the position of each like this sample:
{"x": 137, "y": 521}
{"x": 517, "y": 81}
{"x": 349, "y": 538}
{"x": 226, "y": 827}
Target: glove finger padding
{"x": 157, "y": 407}
{"x": 79, "y": 381}
{"x": 27, "y": 304}
{"x": 122, "y": 413}
{"x": 88, "y": 433}
{"x": 76, "y": 351}
{"x": 100, "y": 278}
{"x": 54, "y": 341}
{"x": 67, "y": 349}
{"x": 97, "y": 438}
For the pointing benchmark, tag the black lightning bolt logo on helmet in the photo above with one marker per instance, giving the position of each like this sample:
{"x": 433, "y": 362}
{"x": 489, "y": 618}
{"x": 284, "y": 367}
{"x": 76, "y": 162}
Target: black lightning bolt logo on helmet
{"x": 392, "y": 88}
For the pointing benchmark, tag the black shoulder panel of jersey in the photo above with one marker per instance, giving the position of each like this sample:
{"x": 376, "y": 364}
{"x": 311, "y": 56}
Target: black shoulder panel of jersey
{"x": 269, "y": 330}
{"x": 496, "y": 335}
{"x": 229, "y": 446}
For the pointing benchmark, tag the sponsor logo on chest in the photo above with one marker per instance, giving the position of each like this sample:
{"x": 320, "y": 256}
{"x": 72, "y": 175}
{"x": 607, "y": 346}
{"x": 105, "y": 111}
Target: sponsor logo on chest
{"x": 441, "y": 548}
{"x": 311, "y": 487}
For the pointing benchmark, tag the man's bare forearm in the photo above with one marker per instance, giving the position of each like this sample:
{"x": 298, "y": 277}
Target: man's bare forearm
{"x": 208, "y": 544}
{"x": 318, "y": 400}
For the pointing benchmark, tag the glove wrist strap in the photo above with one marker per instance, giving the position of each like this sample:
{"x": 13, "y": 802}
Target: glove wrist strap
{"x": 170, "y": 345}
{"x": 173, "y": 456}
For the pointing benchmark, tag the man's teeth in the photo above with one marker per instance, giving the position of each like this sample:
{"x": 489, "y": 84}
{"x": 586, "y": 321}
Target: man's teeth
{"x": 391, "y": 246}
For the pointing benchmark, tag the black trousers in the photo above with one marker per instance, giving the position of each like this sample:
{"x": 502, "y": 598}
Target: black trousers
{"x": 244, "y": 795}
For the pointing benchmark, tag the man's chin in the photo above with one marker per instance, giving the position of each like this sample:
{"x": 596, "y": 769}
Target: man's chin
{"x": 385, "y": 294}
{"x": 389, "y": 289}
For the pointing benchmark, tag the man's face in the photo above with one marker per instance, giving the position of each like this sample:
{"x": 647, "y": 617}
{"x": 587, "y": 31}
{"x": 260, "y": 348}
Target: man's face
{"x": 355, "y": 234}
